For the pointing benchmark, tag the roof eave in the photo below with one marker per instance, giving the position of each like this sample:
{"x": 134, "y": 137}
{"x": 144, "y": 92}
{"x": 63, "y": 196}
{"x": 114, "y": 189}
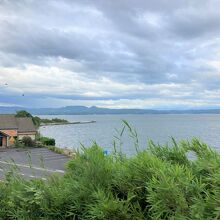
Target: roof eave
{"x": 5, "y": 134}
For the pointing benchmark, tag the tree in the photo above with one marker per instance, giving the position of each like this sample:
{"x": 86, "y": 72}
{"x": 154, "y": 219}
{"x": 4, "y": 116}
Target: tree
{"x": 23, "y": 113}
{"x": 36, "y": 120}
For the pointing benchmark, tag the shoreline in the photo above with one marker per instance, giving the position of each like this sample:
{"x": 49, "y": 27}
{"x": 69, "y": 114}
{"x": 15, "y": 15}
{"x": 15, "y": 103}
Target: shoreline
{"x": 67, "y": 123}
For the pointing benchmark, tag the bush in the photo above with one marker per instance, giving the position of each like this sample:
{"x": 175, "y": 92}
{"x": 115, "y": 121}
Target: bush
{"x": 18, "y": 143}
{"x": 28, "y": 142}
{"x": 160, "y": 182}
{"x": 47, "y": 141}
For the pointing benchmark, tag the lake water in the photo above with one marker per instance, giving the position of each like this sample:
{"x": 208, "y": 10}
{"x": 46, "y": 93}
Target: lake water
{"x": 159, "y": 128}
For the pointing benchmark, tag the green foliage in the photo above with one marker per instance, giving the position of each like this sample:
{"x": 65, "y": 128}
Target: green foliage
{"x": 28, "y": 142}
{"x": 37, "y": 120}
{"x": 47, "y": 141}
{"x": 53, "y": 120}
{"x": 23, "y": 113}
{"x": 160, "y": 182}
{"x": 56, "y": 149}
{"x": 18, "y": 143}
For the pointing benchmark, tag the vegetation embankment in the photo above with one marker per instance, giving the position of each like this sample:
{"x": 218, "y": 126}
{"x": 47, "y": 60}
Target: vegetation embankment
{"x": 160, "y": 182}
{"x": 40, "y": 141}
{"x": 48, "y": 122}
{"x": 45, "y": 142}
{"x": 51, "y": 121}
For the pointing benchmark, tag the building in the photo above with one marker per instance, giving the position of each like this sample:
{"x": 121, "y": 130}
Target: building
{"x": 12, "y": 128}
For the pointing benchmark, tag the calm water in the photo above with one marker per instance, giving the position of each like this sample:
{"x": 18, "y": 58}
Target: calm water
{"x": 159, "y": 128}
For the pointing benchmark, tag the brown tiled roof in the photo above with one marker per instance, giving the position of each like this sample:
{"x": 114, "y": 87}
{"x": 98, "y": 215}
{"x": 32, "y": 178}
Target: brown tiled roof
{"x": 8, "y": 122}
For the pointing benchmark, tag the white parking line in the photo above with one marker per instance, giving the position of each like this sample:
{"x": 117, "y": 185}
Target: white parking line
{"x": 35, "y": 168}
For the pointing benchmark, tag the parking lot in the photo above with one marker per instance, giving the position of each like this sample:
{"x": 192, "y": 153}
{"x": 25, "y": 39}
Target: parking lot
{"x": 31, "y": 162}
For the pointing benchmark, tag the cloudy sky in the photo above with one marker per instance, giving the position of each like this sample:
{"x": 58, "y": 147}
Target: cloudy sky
{"x": 161, "y": 54}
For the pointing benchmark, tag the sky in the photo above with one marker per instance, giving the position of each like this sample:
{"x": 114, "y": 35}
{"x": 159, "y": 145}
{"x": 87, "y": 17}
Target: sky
{"x": 154, "y": 54}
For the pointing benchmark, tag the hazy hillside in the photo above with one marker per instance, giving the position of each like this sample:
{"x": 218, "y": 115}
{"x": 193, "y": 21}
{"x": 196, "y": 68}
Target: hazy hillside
{"x": 82, "y": 110}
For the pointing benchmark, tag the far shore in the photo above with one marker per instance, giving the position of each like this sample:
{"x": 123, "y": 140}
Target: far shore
{"x": 66, "y": 123}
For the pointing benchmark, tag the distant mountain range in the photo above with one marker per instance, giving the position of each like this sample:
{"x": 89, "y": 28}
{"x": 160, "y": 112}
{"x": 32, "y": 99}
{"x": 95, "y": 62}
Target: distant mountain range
{"x": 82, "y": 110}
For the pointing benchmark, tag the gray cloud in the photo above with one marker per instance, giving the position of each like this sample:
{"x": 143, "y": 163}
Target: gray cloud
{"x": 141, "y": 43}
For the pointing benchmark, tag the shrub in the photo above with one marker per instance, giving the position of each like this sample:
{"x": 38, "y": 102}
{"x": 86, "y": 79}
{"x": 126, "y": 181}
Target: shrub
{"x": 47, "y": 141}
{"x": 28, "y": 142}
{"x": 160, "y": 182}
{"x": 18, "y": 143}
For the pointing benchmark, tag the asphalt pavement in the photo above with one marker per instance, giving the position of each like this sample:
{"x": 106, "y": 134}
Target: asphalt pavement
{"x": 31, "y": 162}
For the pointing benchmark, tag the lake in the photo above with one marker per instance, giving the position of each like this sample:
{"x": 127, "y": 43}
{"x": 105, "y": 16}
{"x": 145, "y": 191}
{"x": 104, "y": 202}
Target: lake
{"x": 159, "y": 128}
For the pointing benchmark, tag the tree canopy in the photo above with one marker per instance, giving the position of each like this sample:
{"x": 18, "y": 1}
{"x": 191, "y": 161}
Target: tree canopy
{"x": 36, "y": 120}
{"x": 23, "y": 113}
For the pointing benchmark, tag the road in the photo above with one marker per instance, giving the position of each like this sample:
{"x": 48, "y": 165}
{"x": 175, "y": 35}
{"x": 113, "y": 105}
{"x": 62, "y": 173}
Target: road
{"x": 31, "y": 162}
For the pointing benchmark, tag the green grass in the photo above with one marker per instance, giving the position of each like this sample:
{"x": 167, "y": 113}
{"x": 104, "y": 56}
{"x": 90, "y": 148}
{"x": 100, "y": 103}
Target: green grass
{"x": 160, "y": 182}
{"x": 56, "y": 149}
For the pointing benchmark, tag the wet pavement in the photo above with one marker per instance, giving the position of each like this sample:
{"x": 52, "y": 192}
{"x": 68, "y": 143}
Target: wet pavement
{"x": 31, "y": 162}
